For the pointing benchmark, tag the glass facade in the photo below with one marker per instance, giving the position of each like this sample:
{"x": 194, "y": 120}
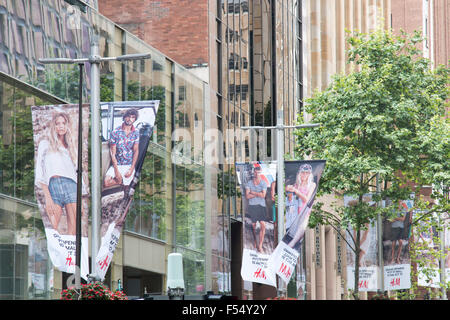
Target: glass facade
{"x": 187, "y": 201}
{"x": 25, "y": 269}
{"x": 169, "y": 205}
{"x": 189, "y": 176}
{"x": 258, "y": 46}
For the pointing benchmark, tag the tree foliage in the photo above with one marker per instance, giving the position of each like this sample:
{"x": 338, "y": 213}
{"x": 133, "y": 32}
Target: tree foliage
{"x": 385, "y": 119}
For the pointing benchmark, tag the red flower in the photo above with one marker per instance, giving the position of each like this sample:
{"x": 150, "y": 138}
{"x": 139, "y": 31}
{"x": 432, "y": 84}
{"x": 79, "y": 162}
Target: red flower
{"x": 93, "y": 291}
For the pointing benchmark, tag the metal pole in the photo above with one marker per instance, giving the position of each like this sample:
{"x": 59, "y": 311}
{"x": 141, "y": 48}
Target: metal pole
{"x": 280, "y": 187}
{"x": 79, "y": 183}
{"x": 380, "y": 241}
{"x": 94, "y": 61}
{"x": 442, "y": 260}
{"x": 95, "y": 150}
{"x": 280, "y": 127}
{"x": 442, "y": 223}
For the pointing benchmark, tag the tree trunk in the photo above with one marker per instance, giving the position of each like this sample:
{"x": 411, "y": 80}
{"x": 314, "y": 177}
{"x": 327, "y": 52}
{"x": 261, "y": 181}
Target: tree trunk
{"x": 357, "y": 253}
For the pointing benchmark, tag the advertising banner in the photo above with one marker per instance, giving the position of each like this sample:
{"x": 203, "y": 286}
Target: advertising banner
{"x": 446, "y": 223}
{"x": 396, "y": 237}
{"x": 126, "y": 131}
{"x": 257, "y": 181}
{"x": 428, "y": 246}
{"x": 301, "y": 184}
{"x": 55, "y": 134}
{"x": 368, "y": 258}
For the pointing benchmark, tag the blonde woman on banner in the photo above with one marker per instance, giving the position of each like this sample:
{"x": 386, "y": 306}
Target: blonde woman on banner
{"x": 56, "y": 172}
{"x": 56, "y": 160}
{"x": 300, "y": 195}
{"x": 303, "y": 189}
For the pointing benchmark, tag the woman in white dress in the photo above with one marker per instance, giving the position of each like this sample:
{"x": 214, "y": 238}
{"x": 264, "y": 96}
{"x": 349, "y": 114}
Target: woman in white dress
{"x": 56, "y": 172}
{"x": 303, "y": 189}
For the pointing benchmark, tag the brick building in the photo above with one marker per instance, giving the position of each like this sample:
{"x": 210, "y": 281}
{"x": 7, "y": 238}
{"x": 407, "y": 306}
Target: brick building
{"x": 237, "y": 36}
{"x": 178, "y": 28}
{"x": 432, "y": 18}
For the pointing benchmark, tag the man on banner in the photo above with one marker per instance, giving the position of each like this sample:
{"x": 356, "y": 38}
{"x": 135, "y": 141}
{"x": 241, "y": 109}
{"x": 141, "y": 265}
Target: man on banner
{"x": 256, "y": 180}
{"x": 127, "y": 144}
{"x": 255, "y": 192}
{"x": 302, "y": 180}
{"x": 368, "y": 256}
{"x": 396, "y": 237}
{"x": 55, "y": 135}
{"x": 124, "y": 148}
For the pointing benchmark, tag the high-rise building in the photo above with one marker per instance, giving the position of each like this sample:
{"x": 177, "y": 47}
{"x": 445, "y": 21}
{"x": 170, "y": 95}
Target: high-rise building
{"x": 431, "y": 17}
{"x": 216, "y": 66}
{"x": 169, "y": 204}
{"x": 249, "y": 53}
{"x": 259, "y": 58}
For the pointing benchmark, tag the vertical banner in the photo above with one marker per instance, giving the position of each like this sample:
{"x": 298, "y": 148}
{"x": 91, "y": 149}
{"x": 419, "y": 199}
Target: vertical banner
{"x": 301, "y": 184}
{"x": 257, "y": 181}
{"x": 126, "y": 131}
{"x": 55, "y": 133}
{"x": 446, "y": 225}
{"x": 428, "y": 245}
{"x": 396, "y": 237}
{"x": 368, "y": 259}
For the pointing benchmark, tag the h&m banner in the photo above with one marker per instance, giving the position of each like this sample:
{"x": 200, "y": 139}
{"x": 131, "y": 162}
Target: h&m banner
{"x": 396, "y": 236}
{"x": 126, "y": 131}
{"x": 301, "y": 184}
{"x": 428, "y": 248}
{"x": 55, "y": 133}
{"x": 257, "y": 181}
{"x": 368, "y": 258}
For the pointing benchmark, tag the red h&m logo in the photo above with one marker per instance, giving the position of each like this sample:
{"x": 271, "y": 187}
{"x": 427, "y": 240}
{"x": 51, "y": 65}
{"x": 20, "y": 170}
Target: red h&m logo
{"x": 104, "y": 263}
{"x": 285, "y": 270}
{"x": 69, "y": 261}
{"x": 364, "y": 284}
{"x": 259, "y": 273}
{"x": 395, "y": 282}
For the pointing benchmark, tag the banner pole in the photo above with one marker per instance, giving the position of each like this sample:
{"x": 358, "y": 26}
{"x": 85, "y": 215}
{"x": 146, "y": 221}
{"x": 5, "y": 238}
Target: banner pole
{"x": 280, "y": 188}
{"x": 79, "y": 184}
{"x": 95, "y": 151}
{"x": 380, "y": 241}
{"x": 96, "y": 182}
{"x": 442, "y": 225}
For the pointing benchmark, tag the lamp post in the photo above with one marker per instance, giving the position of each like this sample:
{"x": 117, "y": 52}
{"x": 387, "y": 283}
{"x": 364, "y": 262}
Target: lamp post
{"x": 79, "y": 165}
{"x": 381, "y": 288}
{"x": 444, "y": 191}
{"x": 280, "y": 127}
{"x": 94, "y": 60}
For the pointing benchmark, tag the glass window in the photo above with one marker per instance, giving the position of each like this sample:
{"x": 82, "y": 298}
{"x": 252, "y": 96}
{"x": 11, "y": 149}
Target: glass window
{"x": 193, "y": 272}
{"x": 25, "y": 269}
{"x": 16, "y": 141}
{"x": 148, "y": 212}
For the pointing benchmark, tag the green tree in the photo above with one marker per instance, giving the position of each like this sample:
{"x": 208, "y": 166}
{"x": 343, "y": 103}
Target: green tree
{"x": 61, "y": 81}
{"x": 425, "y": 254}
{"x": 17, "y": 156}
{"x": 376, "y": 121}
{"x": 137, "y": 92}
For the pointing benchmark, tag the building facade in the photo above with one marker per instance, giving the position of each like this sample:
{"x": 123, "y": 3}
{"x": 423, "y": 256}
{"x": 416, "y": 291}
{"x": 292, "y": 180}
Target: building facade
{"x": 264, "y": 57}
{"x": 168, "y": 213}
{"x": 216, "y": 66}
{"x": 239, "y": 48}
{"x": 325, "y": 54}
{"x": 431, "y": 17}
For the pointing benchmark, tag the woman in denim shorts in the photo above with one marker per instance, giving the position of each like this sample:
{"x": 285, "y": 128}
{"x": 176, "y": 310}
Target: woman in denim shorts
{"x": 56, "y": 173}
